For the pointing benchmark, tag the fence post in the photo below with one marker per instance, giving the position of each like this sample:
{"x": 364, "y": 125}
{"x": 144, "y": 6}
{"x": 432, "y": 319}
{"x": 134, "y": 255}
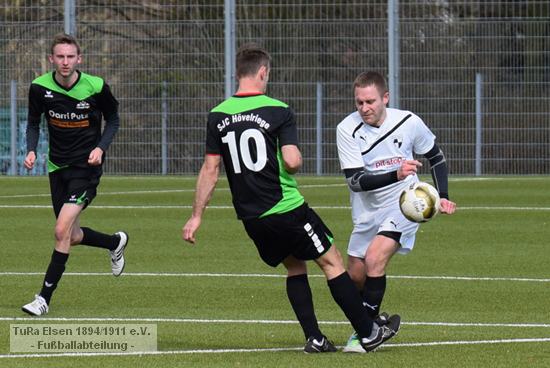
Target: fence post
{"x": 164, "y": 119}
{"x": 70, "y": 18}
{"x": 393, "y": 52}
{"x": 319, "y": 129}
{"x": 13, "y": 103}
{"x": 479, "y": 122}
{"x": 230, "y": 48}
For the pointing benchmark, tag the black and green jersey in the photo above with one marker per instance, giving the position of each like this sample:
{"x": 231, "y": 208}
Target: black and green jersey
{"x": 249, "y": 131}
{"x": 74, "y": 118}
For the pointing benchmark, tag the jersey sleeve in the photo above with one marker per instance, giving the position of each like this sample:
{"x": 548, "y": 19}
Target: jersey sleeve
{"x": 34, "y": 118}
{"x": 212, "y": 147}
{"x": 349, "y": 152}
{"x": 288, "y": 134}
{"x": 109, "y": 109}
{"x": 109, "y": 104}
{"x": 424, "y": 139}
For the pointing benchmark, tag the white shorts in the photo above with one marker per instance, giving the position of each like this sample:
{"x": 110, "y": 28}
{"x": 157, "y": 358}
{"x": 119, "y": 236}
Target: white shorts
{"x": 382, "y": 219}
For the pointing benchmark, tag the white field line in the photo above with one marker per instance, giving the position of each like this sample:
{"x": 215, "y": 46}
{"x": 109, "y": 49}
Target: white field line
{"x": 222, "y": 351}
{"x": 259, "y": 321}
{"x": 309, "y": 177}
{"x": 153, "y": 274}
{"x": 231, "y": 207}
{"x": 117, "y": 193}
{"x": 219, "y": 351}
{"x": 223, "y": 178}
{"x": 159, "y": 191}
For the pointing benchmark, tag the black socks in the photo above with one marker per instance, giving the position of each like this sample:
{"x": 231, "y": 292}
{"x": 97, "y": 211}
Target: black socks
{"x": 53, "y": 274}
{"x": 373, "y": 293}
{"x": 345, "y": 294}
{"x": 96, "y": 239}
{"x": 301, "y": 299}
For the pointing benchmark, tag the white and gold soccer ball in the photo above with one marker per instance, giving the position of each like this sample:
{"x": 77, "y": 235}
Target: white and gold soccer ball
{"x": 419, "y": 202}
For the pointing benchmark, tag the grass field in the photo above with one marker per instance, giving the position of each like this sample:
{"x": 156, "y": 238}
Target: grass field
{"x": 473, "y": 293}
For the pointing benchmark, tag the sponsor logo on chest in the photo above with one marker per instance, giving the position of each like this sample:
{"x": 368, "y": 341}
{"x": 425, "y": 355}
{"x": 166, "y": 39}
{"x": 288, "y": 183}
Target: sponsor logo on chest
{"x": 67, "y": 115}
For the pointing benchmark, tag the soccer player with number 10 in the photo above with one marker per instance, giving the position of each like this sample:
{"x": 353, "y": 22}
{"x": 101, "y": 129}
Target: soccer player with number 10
{"x": 257, "y": 138}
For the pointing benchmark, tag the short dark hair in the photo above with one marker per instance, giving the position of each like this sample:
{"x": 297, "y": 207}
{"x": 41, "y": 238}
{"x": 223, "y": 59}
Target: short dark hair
{"x": 63, "y": 38}
{"x": 250, "y": 58}
{"x": 371, "y": 78}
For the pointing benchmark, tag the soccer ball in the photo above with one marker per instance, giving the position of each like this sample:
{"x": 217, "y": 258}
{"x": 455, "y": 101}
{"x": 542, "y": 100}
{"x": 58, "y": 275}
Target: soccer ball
{"x": 419, "y": 202}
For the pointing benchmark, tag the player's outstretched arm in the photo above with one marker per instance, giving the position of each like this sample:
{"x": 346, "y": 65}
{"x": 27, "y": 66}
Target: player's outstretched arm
{"x": 359, "y": 181}
{"x": 438, "y": 167}
{"x": 206, "y": 183}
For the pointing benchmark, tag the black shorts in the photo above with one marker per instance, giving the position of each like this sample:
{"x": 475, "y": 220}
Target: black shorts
{"x": 299, "y": 232}
{"x": 74, "y": 185}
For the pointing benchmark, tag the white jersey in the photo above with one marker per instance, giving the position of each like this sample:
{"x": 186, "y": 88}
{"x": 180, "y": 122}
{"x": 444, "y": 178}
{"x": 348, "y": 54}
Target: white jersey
{"x": 380, "y": 150}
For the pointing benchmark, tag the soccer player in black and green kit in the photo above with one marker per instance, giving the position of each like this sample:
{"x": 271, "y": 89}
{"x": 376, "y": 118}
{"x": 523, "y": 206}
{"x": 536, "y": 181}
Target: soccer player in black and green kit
{"x": 73, "y": 104}
{"x": 256, "y": 137}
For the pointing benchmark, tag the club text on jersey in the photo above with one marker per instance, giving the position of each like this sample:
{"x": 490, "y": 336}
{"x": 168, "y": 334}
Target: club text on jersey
{"x": 237, "y": 118}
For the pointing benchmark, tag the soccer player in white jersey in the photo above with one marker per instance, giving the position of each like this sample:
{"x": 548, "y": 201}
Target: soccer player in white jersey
{"x": 375, "y": 149}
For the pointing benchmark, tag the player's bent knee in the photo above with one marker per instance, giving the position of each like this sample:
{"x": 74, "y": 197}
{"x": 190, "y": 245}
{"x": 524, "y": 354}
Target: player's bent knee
{"x": 332, "y": 257}
{"x": 375, "y": 268}
{"x": 60, "y": 233}
{"x": 331, "y": 266}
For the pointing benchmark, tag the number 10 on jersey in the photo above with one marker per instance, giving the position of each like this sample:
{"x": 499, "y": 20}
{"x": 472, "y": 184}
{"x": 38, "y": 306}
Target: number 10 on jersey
{"x": 242, "y": 150}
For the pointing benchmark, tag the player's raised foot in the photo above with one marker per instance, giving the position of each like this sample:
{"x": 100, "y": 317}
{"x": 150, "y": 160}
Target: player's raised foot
{"x": 393, "y": 322}
{"x": 353, "y": 345}
{"x": 38, "y": 307}
{"x": 117, "y": 255}
{"x": 385, "y": 331}
{"x": 324, "y": 346}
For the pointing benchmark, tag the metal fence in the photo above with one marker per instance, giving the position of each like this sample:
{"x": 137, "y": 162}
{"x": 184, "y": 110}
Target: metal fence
{"x": 166, "y": 63}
